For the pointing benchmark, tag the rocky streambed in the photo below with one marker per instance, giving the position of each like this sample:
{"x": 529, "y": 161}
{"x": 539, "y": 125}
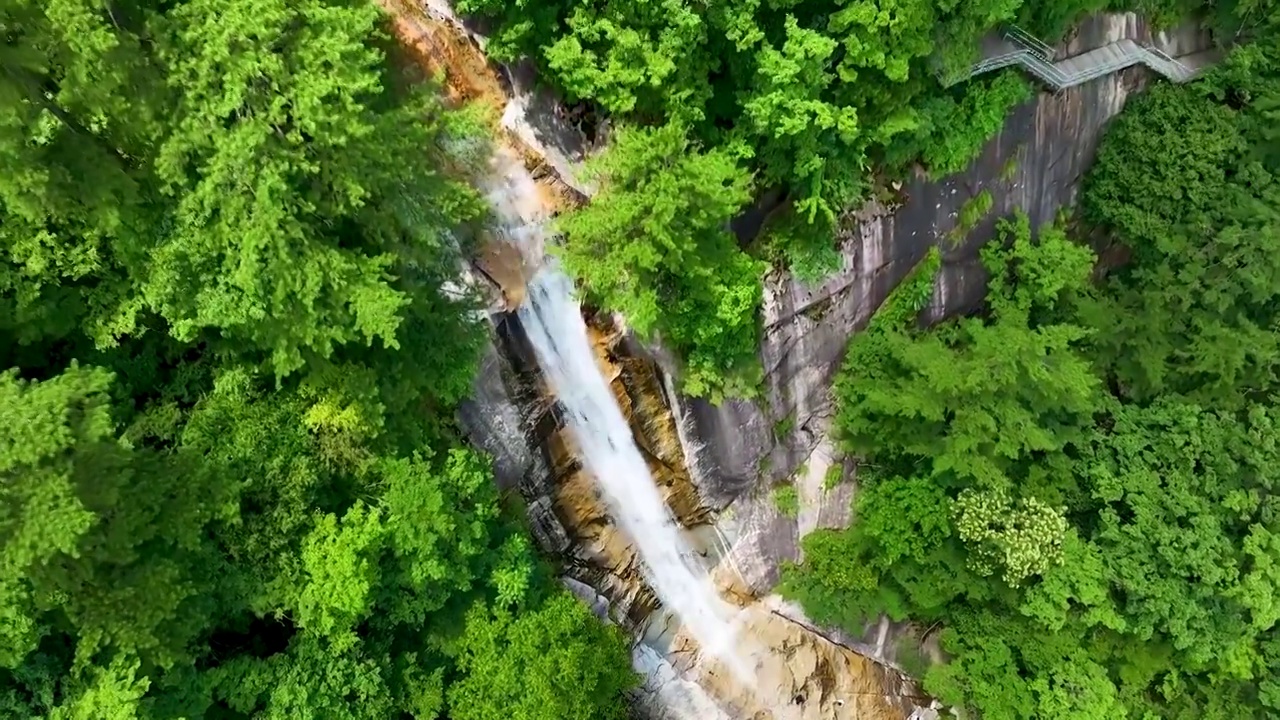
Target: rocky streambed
{"x": 788, "y": 670}
{"x": 713, "y": 466}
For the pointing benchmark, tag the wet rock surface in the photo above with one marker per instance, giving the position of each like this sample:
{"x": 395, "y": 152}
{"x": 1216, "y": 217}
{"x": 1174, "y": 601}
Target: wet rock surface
{"x": 716, "y": 466}
{"x": 1035, "y": 165}
{"x": 796, "y": 672}
{"x": 799, "y": 674}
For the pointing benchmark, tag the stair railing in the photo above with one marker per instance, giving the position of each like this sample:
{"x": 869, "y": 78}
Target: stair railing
{"x": 1038, "y": 58}
{"x": 1018, "y": 36}
{"x": 1181, "y": 69}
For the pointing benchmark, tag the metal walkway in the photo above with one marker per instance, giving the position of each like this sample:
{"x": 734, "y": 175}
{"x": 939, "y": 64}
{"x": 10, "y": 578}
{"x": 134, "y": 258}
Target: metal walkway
{"x": 1018, "y": 47}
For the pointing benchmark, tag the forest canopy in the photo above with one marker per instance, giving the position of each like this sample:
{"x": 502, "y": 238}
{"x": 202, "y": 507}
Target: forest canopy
{"x": 1074, "y": 486}
{"x": 232, "y": 346}
{"x": 230, "y": 482}
{"x": 822, "y": 101}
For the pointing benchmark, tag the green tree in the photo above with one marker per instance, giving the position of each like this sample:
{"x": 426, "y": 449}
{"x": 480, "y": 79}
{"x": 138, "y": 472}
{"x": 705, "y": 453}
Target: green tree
{"x": 900, "y": 558}
{"x": 1008, "y": 668}
{"x": 293, "y": 258}
{"x": 113, "y": 692}
{"x": 553, "y": 661}
{"x": 1088, "y": 549}
{"x": 654, "y": 244}
{"x": 101, "y": 541}
{"x": 975, "y": 395}
{"x": 79, "y": 107}
{"x": 1195, "y": 312}
{"x": 626, "y": 55}
{"x": 805, "y": 141}
{"x": 44, "y": 517}
{"x": 132, "y": 127}
{"x": 1183, "y": 526}
{"x": 230, "y": 480}
{"x": 314, "y": 679}
{"x": 950, "y": 132}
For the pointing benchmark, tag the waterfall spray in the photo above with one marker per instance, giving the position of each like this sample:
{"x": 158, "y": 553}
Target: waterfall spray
{"x": 552, "y": 319}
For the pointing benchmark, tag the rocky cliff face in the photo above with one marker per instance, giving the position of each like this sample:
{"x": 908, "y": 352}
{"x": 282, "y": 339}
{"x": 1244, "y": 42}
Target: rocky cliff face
{"x": 717, "y": 465}
{"x": 796, "y": 672}
{"x": 1034, "y": 165}
{"x": 742, "y": 449}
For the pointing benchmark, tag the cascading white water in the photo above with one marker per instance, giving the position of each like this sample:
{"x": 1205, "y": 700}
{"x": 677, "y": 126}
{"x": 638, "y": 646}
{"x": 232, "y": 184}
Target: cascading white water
{"x": 674, "y": 688}
{"x": 553, "y": 322}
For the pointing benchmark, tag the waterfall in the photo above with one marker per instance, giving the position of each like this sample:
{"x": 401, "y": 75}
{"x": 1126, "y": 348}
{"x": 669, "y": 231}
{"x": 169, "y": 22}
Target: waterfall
{"x": 552, "y": 320}
{"x": 775, "y": 667}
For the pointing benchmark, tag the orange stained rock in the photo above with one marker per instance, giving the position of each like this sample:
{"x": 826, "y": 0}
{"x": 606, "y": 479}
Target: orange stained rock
{"x": 799, "y": 675}
{"x": 504, "y": 265}
{"x": 638, "y": 391}
{"x": 796, "y": 674}
{"x": 445, "y": 52}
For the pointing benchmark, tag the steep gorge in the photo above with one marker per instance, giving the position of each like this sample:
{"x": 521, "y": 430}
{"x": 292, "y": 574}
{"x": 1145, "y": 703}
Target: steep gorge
{"x": 1035, "y": 164}
{"x": 714, "y": 466}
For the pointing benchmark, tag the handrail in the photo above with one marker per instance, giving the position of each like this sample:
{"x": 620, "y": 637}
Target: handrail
{"x": 1031, "y": 42}
{"x": 1165, "y": 57}
{"x": 998, "y": 61}
{"x": 1038, "y": 59}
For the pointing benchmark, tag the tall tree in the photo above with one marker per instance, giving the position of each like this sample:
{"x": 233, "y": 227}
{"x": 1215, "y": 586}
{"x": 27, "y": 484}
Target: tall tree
{"x": 555, "y": 661}
{"x": 293, "y": 258}
{"x": 1178, "y": 183}
{"x": 977, "y": 395}
{"x": 80, "y": 100}
{"x": 654, "y": 243}
{"x": 805, "y": 139}
{"x": 230, "y": 480}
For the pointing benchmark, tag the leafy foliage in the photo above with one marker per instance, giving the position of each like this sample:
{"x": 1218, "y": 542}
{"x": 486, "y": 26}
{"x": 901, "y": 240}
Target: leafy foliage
{"x": 555, "y": 662}
{"x": 1022, "y": 539}
{"x": 787, "y": 500}
{"x": 815, "y": 88}
{"x": 817, "y": 98}
{"x": 230, "y": 485}
{"x": 977, "y": 395}
{"x": 1194, "y": 314}
{"x": 950, "y": 131}
{"x": 1086, "y": 510}
{"x": 655, "y": 245}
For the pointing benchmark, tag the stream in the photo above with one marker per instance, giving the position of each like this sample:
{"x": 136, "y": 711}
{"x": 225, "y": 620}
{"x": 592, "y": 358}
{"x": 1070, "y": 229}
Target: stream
{"x": 552, "y": 320}
{"x": 712, "y": 648}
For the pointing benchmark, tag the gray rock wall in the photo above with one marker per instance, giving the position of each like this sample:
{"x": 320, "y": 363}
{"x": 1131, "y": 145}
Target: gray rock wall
{"x": 738, "y": 450}
{"x": 506, "y": 417}
{"x": 1035, "y": 164}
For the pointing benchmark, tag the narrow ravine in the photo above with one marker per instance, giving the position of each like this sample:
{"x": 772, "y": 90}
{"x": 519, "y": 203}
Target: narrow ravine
{"x": 552, "y": 319}
{"x": 702, "y": 656}
{"x": 554, "y": 324}
{"x": 706, "y": 647}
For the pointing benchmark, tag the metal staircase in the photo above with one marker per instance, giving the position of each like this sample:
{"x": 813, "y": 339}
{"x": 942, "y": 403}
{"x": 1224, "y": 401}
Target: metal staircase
{"x": 1018, "y": 47}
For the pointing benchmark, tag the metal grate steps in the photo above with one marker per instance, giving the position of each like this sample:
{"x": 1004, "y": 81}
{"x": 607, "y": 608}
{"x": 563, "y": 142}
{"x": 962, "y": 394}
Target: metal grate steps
{"x": 1018, "y": 47}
